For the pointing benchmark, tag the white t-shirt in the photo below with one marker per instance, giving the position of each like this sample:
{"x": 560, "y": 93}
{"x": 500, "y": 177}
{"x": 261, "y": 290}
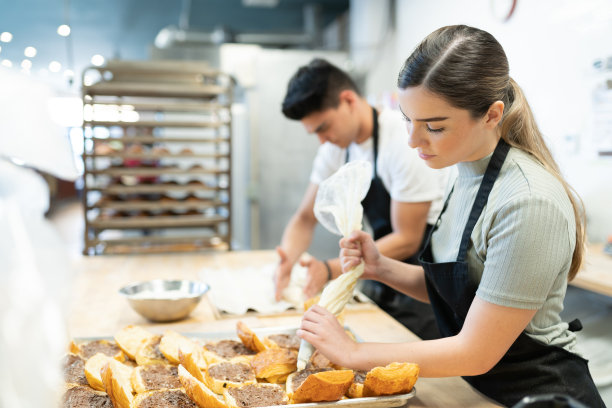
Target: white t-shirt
{"x": 405, "y": 176}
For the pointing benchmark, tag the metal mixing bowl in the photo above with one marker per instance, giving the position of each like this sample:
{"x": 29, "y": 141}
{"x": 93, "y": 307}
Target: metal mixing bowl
{"x": 164, "y": 300}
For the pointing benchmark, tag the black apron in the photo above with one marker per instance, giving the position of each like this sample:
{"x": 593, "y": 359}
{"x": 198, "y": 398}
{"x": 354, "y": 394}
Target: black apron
{"x": 529, "y": 367}
{"x": 417, "y": 316}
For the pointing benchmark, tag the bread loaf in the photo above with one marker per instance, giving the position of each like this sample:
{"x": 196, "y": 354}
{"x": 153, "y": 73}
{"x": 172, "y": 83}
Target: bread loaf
{"x": 255, "y": 395}
{"x": 220, "y": 376}
{"x": 198, "y": 392}
{"x": 131, "y": 338}
{"x": 395, "y": 378}
{"x": 318, "y": 385}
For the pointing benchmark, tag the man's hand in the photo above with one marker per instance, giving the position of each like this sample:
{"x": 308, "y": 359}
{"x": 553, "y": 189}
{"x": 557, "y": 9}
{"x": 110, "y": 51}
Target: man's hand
{"x": 282, "y": 274}
{"x": 316, "y": 276}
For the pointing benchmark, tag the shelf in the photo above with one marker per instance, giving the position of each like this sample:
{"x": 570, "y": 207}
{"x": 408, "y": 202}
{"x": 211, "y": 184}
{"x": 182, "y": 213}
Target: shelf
{"x": 154, "y": 171}
{"x": 155, "y": 139}
{"x": 126, "y": 155}
{"x": 156, "y": 124}
{"x": 179, "y": 221}
{"x": 159, "y": 205}
{"x": 154, "y": 90}
{"x": 155, "y": 188}
{"x": 162, "y": 107}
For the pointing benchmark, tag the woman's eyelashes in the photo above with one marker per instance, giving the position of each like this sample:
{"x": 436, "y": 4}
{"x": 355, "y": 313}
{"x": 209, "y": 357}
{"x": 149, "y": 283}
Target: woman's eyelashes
{"x": 438, "y": 130}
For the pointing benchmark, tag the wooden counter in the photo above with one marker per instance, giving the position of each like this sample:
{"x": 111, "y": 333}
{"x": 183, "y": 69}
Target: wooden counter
{"x": 596, "y": 275}
{"x": 98, "y": 310}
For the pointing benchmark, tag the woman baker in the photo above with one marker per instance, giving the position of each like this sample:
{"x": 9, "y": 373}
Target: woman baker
{"x": 510, "y": 235}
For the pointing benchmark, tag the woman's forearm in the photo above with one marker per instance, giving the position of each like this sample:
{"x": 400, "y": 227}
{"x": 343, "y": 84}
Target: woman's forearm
{"x": 405, "y": 278}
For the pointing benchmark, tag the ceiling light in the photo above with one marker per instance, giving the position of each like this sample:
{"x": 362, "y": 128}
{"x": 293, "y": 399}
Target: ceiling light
{"x": 7, "y": 63}
{"x": 55, "y": 66}
{"x": 63, "y": 30}
{"x": 6, "y": 37}
{"x": 97, "y": 60}
{"x": 30, "y": 52}
{"x": 26, "y": 64}
{"x": 69, "y": 73}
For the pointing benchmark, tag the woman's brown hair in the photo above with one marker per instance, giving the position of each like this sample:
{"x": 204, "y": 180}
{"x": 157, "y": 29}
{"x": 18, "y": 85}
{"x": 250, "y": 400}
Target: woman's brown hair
{"x": 469, "y": 68}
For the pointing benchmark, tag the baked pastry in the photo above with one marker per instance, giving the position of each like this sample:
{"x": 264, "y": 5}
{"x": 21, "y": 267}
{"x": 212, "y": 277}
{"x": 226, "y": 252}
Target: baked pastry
{"x": 74, "y": 369}
{"x": 116, "y": 380}
{"x": 318, "y": 360}
{"x": 318, "y": 385}
{"x": 226, "y": 350}
{"x": 197, "y": 391}
{"x": 249, "y": 338}
{"x": 255, "y": 395}
{"x": 131, "y": 338}
{"x": 220, "y": 376}
{"x": 92, "y": 370}
{"x": 395, "y": 378}
{"x": 356, "y": 388}
{"x": 175, "y": 398}
{"x": 290, "y": 341}
{"x": 275, "y": 364}
{"x": 172, "y": 342}
{"x": 84, "y": 397}
{"x": 149, "y": 352}
{"x": 90, "y": 348}
{"x": 154, "y": 377}
{"x": 189, "y": 363}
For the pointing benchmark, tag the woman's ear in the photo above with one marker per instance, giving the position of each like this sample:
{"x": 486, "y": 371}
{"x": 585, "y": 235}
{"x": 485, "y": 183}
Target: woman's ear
{"x": 494, "y": 114}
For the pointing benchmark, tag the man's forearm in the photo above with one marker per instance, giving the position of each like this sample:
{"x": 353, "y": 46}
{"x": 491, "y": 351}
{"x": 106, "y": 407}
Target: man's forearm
{"x": 399, "y": 246}
{"x": 297, "y": 237}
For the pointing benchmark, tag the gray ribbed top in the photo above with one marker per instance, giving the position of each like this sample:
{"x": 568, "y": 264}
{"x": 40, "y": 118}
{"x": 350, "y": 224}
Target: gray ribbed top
{"x": 522, "y": 244}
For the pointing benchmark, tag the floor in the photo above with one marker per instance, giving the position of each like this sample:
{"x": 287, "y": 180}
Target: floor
{"x": 594, "y": 310}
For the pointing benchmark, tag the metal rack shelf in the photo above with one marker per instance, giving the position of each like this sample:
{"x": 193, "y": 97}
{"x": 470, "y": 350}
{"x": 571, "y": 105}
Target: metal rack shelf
{"x": 141, "y": 194}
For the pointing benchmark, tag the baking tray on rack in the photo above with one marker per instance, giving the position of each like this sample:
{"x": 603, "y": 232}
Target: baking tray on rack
{"x": 389, "y": 401}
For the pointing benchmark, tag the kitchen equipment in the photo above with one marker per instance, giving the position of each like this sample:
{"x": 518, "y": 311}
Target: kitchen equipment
{"x": 164, "y": 300}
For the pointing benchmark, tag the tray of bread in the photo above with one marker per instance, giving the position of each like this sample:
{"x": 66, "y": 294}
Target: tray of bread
{"x": 246, "y": 368}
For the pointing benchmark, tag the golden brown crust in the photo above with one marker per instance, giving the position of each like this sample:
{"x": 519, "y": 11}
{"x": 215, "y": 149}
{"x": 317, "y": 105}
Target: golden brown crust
{"x": 219, "y": 385}
{"x": 189, "y": 363}
{"x": 395, "y": 378}
{"x": 171, "y": 342}
{"x": 92, "y": 370}
{"x": 323, "y": 386}
{"x": 249, "y": 338}
{"x": 131, "y": 338}
{"x": 116, "y": 380}
{"x": 149, "y": 352}
{"x": 275, "y": 364}
{"x": 198, "y": 392}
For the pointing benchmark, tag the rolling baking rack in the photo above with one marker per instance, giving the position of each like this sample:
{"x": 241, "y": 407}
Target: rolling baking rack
{"x": 157, "y": 157}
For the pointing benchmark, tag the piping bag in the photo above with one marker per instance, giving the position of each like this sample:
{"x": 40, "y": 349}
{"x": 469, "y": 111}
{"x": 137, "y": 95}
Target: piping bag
{"x": 338, "y": 208}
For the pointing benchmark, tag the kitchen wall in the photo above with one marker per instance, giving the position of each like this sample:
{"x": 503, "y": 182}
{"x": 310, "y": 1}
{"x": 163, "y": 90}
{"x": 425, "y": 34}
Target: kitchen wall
{"x": 551, "y": 46}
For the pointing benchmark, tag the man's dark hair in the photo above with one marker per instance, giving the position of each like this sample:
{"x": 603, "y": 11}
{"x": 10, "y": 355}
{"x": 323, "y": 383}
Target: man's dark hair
{"x": 315, "y": 87}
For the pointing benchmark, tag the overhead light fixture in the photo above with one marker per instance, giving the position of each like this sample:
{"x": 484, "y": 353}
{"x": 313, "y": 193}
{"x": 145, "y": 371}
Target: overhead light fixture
{"x": 55, "y": 66}
{"x": 63, "y": 30}
{"x": 97, "y": 60}
{"x": 6, "y": 37}
{"x": 7, "y": 63}
{"x": 30, "y": 52}
{"x": 69, "y": 73}
{"x": 26, "y": 64}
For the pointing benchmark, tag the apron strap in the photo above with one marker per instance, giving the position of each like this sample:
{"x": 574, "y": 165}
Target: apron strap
{"x": 493, "y": 169}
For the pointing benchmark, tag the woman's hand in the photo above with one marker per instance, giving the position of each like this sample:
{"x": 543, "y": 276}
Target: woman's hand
{"x": 321, "y": 329}
{"x": 357, "y": 247}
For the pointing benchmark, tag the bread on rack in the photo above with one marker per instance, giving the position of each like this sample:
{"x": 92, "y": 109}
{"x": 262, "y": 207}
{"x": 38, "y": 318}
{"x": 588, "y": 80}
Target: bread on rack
{"x": 88, "y": 349}
{"x": 93, "y": 366}
{"x": 227, "y": 350}
{"x": 154, "y": 377}
{"x": 283, "y": 340}
{"x": 274, "y": 365}
{"x": 149, "y": 352}
{"x": 117, "y": 384}
{"x": 249, "y": 338}
{"x": 395, "y": 378}
{"x": 74, "y": 370}
{"x": 318, "y": 385}
{"x": 131, "y": 338}
{"x": 356, "y": 388}
{"x": 172, "y": 342}
{"x": 255, "y": 395}
{"x": 220, "y": 376}
{"x": 169, "y": 398}
{"x": 81, "y": 396}
{"x": 198, "y": 391}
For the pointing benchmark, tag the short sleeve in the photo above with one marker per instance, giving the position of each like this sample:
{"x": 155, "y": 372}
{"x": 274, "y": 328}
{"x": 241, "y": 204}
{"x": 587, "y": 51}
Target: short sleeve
{"x": 530, "y": 242}
{"x": 328, "y": 160}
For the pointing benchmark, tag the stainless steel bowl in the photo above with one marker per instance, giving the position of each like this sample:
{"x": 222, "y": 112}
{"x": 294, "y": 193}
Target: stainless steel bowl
{"x": 164, "y": 300}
